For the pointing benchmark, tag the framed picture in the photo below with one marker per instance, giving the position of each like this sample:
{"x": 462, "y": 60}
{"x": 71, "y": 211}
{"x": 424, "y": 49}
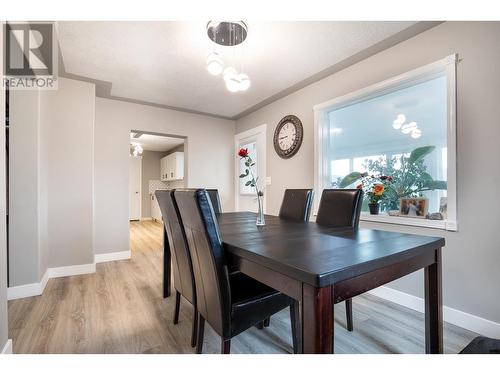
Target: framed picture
{"x": 414, "y": 207}
{"x": 443, "y": 207}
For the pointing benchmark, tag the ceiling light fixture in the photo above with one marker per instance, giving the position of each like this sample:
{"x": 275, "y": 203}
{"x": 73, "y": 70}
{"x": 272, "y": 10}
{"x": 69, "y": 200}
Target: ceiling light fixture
{"x": 416, "y": 133}
{"x": 215, "y": 66}
{"x": 411, "y": 128}
{"x": 136, "y": 149}
{"x": 228, "y": 34}
{"x": 399, "y": 121}
{"x": 408, "y": 128}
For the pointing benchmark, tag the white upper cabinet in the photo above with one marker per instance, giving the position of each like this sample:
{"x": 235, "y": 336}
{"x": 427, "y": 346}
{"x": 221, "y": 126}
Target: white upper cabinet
{"x": 172, "y": 167}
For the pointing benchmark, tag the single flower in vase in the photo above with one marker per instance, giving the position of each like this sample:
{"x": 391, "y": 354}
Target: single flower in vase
{"x": 252, "y": 182}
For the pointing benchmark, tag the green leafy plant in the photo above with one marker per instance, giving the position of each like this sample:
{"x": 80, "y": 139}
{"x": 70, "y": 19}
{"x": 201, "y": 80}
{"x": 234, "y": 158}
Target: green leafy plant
{"x": 411, "y": 179}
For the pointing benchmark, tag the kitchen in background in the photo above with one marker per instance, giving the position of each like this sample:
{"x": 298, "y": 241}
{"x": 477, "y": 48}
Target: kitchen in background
{"x": 161, "y": 167}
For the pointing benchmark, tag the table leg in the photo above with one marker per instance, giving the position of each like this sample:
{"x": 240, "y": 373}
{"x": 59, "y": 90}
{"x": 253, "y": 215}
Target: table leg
{"x": 166, "y": 265}
{"x": 433, "y": 307}
{"x": 317, "y": 319}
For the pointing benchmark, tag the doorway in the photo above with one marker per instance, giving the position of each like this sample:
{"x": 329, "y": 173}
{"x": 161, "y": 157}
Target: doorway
{"x": 157, "y": 162}
{"x": 255, "y": 141}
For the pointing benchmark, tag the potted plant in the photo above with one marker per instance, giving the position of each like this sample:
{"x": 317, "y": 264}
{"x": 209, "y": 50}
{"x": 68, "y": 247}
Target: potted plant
{"x": 410, "y": 177}
{"x": 375, "y": 188}
{"x": 252, "y": 182}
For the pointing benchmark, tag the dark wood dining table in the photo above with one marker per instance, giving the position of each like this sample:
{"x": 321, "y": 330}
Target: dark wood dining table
{"x": 320, "y": 267}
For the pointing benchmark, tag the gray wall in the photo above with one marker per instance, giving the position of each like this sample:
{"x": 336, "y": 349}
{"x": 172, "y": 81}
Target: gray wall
{"x": 150, "y": 171}
{"x": 472, "y": 255}
{"x": 67, "y": 114}
{"x": 3, "y": 211}
{"x": 51, "y": 180}
{"x": 24, "y": 187}
{"x": 208, "y": 155}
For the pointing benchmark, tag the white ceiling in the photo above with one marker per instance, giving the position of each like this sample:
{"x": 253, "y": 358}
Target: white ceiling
{"x": 164, "y": 62}
{"x": 151, "y": 142}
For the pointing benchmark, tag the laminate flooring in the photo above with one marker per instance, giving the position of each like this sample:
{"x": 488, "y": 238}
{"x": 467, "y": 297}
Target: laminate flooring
{"x": 120, "y": 309}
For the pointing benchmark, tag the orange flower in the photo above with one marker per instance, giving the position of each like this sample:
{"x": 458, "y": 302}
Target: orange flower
{"x": 378, "y": 189}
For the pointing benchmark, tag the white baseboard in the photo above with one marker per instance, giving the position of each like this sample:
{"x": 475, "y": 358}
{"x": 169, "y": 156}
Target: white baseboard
{"x": 108, "y": 257}
{"x": 7, "y": 349}
{"x": 79, "y": 269}
{"x": 459, "y": 318}
{"x": 28, "y": 290}
{"x": 146, "y": 219}
{"x": 36, "y": 289}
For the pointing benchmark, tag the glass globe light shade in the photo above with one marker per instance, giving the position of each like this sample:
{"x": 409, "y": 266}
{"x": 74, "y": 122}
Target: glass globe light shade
{"x": 229, "y": 73}
{"x": 407, "y": 128}
{"x": 244, "y": 82}
{"x": 233, "y": 83}
{"x": 214, "y": 64}
{"x": 416, "y": 133}
{"x": 396, "y": 124}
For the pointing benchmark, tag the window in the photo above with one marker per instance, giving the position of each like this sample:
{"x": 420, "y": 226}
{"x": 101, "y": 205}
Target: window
{"x": 404, "y": 128}
{"x": 252, "y": 152}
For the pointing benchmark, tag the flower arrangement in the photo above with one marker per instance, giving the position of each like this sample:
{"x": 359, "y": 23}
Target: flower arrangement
{"x": 252, "y": 182}
{"x": 409, "y": 176}
{"x": 375, "y": 188}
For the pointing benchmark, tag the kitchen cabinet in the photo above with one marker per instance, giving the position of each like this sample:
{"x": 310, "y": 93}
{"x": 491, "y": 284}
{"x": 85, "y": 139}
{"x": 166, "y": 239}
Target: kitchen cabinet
{"x": 155, "y": 209}
{"x": 172, "y": 167}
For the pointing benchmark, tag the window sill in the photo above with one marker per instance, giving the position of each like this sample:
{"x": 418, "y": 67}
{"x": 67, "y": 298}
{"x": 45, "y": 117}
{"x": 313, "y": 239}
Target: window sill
{"x": 448, "y": 225}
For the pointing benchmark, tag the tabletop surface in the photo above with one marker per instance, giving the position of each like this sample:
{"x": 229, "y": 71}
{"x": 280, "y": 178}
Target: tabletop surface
{"x": 314, "y": 254}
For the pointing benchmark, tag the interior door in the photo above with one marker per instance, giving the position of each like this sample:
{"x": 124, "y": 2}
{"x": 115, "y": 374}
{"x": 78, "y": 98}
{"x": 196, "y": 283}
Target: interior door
{"x": 255, "y": 141}
{"x": 135, "y": 188}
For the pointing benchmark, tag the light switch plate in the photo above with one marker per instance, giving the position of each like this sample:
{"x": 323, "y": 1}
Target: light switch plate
{"x": 268, "y": 180}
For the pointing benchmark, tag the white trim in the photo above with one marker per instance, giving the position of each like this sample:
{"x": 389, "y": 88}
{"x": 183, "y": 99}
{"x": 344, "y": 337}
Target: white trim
{"x": 36, "y": 289}
{"x": 145, "y": 219}
{"x": 446, "y": 65}
{"x": 384, "y": 218}
{"x": 399, "y": 80}
{"x": 28, "y": 290}
{"x": 254, "y": 132}
{"x": 79, "y": 269}
{"x": 7, "y": 349}
{"x": 459, "y": 318}
{"x": 109, "y": 257}
{"x": 23, "y": 291}
{"x": 140, "y": 187}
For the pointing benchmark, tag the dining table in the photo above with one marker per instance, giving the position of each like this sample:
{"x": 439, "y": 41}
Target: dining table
{"x": 320, "y": 266}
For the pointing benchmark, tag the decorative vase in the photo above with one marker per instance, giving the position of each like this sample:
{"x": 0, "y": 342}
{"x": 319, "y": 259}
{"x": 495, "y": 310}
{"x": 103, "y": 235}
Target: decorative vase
{"x": 374, "y": 208}
{"x": 260, "y": 215}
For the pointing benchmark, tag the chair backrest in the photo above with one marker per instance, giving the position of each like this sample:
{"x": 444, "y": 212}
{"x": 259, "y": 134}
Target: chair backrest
{"x": 296, "y": 204}
{"x": 182, "y": 267}
{"x": 209, "y": 261}
{"x": 215, "y": 199}
{"x": 340, "y": 208}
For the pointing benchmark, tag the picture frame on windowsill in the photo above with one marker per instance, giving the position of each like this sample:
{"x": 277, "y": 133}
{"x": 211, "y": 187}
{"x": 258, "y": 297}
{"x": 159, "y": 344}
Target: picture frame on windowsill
{"x": 414, "y": 207}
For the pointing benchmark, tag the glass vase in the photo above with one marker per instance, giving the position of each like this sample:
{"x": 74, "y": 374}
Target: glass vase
{"x": 260, "y": 214}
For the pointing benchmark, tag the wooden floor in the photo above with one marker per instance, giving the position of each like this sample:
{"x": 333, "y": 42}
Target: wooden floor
{"x": 120, "y": 309}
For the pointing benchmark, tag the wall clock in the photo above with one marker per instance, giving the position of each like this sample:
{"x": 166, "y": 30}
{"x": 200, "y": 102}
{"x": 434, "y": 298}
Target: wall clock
{"x": 288, "y": 136}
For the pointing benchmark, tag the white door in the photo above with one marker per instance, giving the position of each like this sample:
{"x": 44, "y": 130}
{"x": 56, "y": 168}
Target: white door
{"x": 135, "y": 188}
{"x": 255, "y": 141}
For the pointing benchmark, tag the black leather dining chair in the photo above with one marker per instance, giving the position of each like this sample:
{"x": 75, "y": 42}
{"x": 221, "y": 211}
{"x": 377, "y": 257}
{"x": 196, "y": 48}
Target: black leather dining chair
{"x": 296, "y": 204}
{"x": 230, "y": 302}
{"x": 182, "y": 266}
{"x": 340, "y": 208}
{"x": 215, "y": 199}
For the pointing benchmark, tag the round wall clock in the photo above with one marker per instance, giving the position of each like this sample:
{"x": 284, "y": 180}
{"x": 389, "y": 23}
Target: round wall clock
{"x": 288, "y": 136}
